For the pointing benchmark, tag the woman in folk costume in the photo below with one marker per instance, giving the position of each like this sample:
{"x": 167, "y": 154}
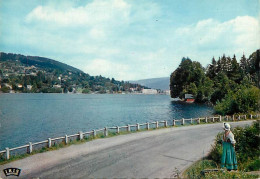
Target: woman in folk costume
{"x": 228, "y": 158}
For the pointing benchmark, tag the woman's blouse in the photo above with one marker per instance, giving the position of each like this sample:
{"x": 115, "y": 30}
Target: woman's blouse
{"x": 229, "y": 137}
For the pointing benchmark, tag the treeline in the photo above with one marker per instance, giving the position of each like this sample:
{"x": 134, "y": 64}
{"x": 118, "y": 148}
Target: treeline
{"x": 232, "y": 86}
{"x": 27, "y": 74}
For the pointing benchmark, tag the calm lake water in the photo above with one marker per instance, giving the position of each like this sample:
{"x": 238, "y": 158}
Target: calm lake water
{"x": 35, "y": 117}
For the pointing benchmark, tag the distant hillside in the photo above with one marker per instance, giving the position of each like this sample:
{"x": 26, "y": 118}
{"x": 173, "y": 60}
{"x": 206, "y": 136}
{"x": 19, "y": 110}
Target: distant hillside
{"x": 32, "y": 74}
{"x": 155, "y": 83}
{"x": 39, "y": 62}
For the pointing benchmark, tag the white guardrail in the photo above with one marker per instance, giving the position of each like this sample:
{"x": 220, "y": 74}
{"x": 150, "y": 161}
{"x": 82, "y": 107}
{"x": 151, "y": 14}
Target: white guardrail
{"x": 80, "y": 135}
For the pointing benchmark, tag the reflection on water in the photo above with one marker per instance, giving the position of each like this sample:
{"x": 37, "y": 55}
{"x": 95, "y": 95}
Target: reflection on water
{"x": 34, "y": 117}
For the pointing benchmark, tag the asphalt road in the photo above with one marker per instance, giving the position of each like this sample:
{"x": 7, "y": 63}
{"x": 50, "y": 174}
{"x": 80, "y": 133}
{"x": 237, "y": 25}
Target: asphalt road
{"x": 150, "y": 154}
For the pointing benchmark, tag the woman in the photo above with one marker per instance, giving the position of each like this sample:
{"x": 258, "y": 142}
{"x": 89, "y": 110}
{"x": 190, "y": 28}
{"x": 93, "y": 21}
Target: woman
{"x": 228, "y": 158}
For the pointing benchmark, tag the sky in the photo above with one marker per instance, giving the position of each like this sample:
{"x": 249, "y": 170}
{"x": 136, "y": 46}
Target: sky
{"x": 129, "y": 39}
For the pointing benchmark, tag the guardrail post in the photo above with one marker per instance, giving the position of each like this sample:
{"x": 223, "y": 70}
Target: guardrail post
{"x": 251, "y": 116}
{"x": 94, "y": 133}
{"x": 66, "y": 139}
{"x": 220, "y": 118}
{"x": 49, "y": 142}
{"x": 239, "y": 117}
{"x": 213, "y": 120}
{"x": 233, "y": 118}
{"x": 30, "y": 148}
{"x": 80, "y": 135}
{"x": 182, "y": 121}
{"x": 173, "y": 123}
{"x": 198, "y": 120}
{"x": 117, "y": 129}
{"x": 148, "y": 126}
{"x": 7, "y": 153}
{"x": 191, "y": 120}
{"x": 128, "y": 128}
{"x": 165, "y": 123}
{"x": 157, "y": 124}
{"x": 137, "y": 126}
{"x": 105, "y": 132}
{"x": 206, "y": 119}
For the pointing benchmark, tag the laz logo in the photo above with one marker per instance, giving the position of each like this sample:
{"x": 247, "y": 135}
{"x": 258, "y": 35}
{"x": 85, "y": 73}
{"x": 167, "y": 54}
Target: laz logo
{"x": 12, "y": 172}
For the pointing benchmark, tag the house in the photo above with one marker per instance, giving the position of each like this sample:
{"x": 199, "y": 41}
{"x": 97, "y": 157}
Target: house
{"x": 149, "y": 91}
{"x": 29, "y": 87}
{"x": 56, "y": 86}
{"x": 189, "y": 98}
{"x": 19, "y": 85}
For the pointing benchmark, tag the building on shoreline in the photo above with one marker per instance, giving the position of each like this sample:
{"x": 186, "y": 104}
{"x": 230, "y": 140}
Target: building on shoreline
{"x": 149, "y": 91}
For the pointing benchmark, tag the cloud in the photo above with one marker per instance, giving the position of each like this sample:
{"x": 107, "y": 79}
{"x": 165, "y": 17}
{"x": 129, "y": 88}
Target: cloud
{"x": 94, "y": 13}
{"x": 233, "y": 35}
{"x": 108, "y": 69}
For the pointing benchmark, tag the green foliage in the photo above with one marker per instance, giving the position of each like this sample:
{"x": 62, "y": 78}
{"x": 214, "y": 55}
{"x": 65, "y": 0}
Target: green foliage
{"x": 5, "y": 89}
{"x": 247, "y": 153}
{"x": 43, "y": 74}
{"x": 195, "y": 170}
{"x": 229, "y": 175}
{"x": 225, "y": 83}
{"x": 247, "y": 147}
{"x": 241, "y": 101}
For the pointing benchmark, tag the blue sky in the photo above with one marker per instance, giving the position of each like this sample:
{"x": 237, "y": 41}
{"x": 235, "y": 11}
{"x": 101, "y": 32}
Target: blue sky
{"x": 129, "y": 39}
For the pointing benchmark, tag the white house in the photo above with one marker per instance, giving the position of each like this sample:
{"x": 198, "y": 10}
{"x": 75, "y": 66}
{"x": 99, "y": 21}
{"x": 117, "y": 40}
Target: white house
{"x": 149, "y": 91}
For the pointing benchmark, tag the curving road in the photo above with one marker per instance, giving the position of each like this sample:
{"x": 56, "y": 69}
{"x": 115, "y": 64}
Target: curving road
{"x": 150, "y": 154}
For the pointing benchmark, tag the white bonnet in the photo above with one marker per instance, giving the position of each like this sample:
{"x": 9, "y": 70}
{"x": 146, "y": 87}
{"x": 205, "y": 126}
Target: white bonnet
{"x": 226, "y": 126}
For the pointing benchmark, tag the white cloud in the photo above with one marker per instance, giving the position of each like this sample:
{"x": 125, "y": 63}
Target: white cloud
{"x": 96, "y": 12}
{"x": 234, "y": 36}
{"x": 108, "y": 69}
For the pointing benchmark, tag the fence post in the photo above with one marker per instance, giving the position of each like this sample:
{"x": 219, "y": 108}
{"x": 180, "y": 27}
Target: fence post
{"x": 49, "y": 142}
{"x": 128, "y": 128}
{"x": 105, "y": 132}
{"x": 239, "y": 117}
{"x": 7, "y": 153}
{"x": 182, "y": 121}
{"x": 137, "y": 126}
{"x": 80, "y": 135}
{"x": 190, "y": 120}
{"x": 66, "y": 139}
{"x": 94, "y": 133}
{"x": 117, "y": 129}
{"x": 233, "y": 117}
{"x": 206, "y": 119}
{"x": 148, "y": 127}
{"x": 173, "y": 123}
{"x": 213, "y": 119}
{"x": 251, "y": 116}
{"x": 198, "y": 120}
{"x": 220, "y": 118}
{"x": 157, "y": 124}
{"x": 165, "y": 123}
{"x": 30, "y": 148}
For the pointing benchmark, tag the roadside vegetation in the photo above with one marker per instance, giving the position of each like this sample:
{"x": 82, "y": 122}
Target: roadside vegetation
{"x": 247, "y": 153}
{"x": 231, "y": 86}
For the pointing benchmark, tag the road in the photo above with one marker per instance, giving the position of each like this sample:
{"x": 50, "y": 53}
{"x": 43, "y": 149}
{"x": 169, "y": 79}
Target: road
{"x": 150, "y": 154}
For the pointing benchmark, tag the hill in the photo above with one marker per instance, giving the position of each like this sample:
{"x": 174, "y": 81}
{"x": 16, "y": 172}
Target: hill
{"x": 33, "y": 74}
{"x": 40, "y": 62}
{"x": 155, "y": 83}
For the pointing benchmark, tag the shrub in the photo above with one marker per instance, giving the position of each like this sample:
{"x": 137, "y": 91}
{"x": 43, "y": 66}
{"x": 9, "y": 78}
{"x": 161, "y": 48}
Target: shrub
{"x": 244, "y": 100}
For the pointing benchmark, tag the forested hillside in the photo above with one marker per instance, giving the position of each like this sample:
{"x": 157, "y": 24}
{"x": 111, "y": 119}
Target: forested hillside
{"x": 231, "y": 84}
{"x": 28, "y": 74}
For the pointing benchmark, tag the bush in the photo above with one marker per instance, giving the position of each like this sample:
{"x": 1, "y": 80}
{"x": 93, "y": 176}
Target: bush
{"x": 247, "y": 147}
{"x": 244, "y": 100}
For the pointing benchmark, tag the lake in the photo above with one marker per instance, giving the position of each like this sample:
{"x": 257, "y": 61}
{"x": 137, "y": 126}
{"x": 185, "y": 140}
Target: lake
{"x": 35, "y": 117}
